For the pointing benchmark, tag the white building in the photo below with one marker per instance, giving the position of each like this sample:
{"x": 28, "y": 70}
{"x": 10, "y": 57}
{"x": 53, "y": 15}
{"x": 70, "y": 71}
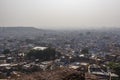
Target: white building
{"x": 40, "y": 48}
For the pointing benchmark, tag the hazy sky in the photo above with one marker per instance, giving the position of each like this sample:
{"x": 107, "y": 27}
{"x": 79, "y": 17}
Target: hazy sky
{"x": 60, "y": 13}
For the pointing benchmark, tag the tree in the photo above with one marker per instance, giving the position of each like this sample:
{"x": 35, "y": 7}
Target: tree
{"x": 6, "y": 51}
{"x": 85, "y": 51}
{"x": 42, "y": 55}
{"x": 115, "y": 66}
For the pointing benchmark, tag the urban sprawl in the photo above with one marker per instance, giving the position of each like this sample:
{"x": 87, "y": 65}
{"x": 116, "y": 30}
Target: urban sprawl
{"x": 92, "y": 54}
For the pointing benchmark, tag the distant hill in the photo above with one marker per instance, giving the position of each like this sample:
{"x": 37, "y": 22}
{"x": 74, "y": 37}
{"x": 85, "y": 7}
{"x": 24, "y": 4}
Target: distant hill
{"x": 35, "y": 32}
{"x": 21, "y": 31}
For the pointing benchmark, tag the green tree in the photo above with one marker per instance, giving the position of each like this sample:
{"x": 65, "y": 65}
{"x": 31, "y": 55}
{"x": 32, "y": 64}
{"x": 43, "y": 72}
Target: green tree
{"x": 115, "y": 66}
{"x": 42, "y": 55}
{"x": 85, "y": 51}
{"x": 6, "y": 51}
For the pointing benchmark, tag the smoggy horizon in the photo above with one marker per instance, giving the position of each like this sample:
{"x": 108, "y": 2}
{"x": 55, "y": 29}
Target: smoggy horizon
{"x": 60, "y": 14}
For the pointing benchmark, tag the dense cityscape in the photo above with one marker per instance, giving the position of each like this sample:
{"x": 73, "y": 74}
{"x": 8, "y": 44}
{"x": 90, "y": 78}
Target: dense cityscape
{"x": 59, "y": 39}
{"x": 28, "y": 53}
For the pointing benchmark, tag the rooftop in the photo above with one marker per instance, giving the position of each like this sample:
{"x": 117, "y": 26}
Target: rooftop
{"x": 39, "y": 48}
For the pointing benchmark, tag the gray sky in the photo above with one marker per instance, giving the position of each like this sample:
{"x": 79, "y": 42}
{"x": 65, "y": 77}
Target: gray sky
{"x": 58, "y": 14}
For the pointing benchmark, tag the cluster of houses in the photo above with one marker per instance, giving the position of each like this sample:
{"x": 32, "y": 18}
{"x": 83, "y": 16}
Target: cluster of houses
{"x": 102, "y": 49}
